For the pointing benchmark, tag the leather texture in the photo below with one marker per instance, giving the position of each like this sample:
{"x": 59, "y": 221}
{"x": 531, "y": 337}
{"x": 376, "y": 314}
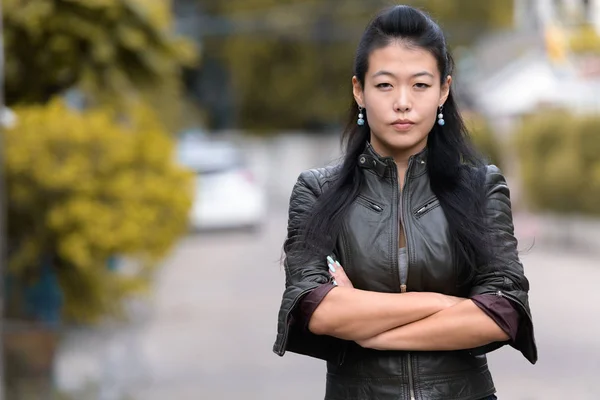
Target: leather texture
{"x": 367, "y": 247}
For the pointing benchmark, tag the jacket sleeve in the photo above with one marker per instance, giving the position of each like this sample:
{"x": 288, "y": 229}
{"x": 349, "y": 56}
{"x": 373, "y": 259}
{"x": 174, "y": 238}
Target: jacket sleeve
{"x": 302, "y": 277}
{"x": 504, "y": 275}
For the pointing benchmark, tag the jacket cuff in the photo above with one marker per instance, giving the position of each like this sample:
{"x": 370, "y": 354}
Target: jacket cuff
{"x": 309, "y": 304}
{"x": 501, "y": 311}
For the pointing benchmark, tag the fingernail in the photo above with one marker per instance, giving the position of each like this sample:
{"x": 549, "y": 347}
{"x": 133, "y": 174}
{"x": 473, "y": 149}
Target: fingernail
{"x": 335, "y": 283}
{"x": 330, "y": 260}
{"x": 331, "y": 268}
{"x": 338, "y": 264}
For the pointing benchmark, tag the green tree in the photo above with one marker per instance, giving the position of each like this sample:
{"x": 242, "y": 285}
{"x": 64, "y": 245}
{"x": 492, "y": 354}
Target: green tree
{"x": 560, "y": 162}
{"x": 83, "y": 188}
{"x": 112, "y": 50}
{"x": 86, "y": 187}
{"x": 291, "y": 60}
{"x": 483, "y": 137}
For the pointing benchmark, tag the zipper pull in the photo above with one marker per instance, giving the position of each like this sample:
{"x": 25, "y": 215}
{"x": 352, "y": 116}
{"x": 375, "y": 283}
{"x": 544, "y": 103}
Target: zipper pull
{"x": 402, "y": 288}
{"x": 422, "y": 209}
{"x": 374, "y": 206}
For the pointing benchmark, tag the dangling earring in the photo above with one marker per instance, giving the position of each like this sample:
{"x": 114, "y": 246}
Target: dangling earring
{"x": 440, "y": 116}
{"x": 361, "y": 120}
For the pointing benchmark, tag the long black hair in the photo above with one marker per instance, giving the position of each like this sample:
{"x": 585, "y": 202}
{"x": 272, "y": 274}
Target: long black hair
{"x": 456, "y": 170}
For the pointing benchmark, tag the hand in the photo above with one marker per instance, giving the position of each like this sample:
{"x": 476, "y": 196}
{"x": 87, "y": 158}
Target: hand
{"x": 338, "y": 274}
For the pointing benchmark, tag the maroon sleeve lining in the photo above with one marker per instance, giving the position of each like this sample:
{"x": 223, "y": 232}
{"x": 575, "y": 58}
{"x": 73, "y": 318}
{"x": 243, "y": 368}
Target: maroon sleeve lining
{"x": 309, "y": 304}
{"x": 501, "y": 310}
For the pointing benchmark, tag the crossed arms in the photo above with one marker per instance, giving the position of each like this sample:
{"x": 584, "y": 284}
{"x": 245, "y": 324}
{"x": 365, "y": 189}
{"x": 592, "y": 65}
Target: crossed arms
{"x": 411, "y": 321}
{"x": 404, "y": 321}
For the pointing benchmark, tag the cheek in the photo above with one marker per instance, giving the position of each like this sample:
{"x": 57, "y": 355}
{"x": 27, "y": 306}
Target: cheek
{"x": 429, "y": 109}
{"x": 378, "y": 107}
{"x": 432, "y": 114}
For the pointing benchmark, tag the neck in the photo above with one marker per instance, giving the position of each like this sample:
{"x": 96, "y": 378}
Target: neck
{"x": 401, "y": 160}
{"x": 400, "y": 156}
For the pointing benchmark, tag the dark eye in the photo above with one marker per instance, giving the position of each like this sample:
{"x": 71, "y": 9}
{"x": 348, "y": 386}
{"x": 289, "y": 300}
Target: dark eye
{"x": 384, "y": 86}
{"x": 422, "y": 85}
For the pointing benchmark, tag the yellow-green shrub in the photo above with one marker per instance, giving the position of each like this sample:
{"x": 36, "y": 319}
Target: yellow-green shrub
{"x": 560, "y": 162}
{"x": 585, "y": 40}
{"x": 483, "y": 138}
{"x": 83, "y": 187}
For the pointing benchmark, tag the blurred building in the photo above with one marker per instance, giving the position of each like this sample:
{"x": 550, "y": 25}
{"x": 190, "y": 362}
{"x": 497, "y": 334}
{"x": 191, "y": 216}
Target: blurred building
{"x": 514, "y": 73}
{"x": 537, "y": 14}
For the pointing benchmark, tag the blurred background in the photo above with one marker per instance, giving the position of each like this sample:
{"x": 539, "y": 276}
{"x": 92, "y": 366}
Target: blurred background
{"x": 150, "y": 148}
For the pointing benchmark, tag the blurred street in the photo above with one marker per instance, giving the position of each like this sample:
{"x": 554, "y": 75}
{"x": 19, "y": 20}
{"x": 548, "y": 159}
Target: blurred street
{"x": 210, "y": 331}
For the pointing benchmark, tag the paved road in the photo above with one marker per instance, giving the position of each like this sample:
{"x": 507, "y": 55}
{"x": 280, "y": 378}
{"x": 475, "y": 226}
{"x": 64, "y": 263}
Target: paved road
{"x": 212, "y": 326}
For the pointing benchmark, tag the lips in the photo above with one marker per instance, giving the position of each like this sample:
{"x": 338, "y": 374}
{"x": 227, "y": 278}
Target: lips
{"x": 402, "y": 125}
{"x": 402, "y": 121}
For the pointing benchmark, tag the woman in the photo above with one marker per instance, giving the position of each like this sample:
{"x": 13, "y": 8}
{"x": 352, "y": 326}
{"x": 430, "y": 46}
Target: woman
{"x": 431, "y": 280}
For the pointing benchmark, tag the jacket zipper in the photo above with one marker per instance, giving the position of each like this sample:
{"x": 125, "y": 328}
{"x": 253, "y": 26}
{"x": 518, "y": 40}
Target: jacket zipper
{"x": 425, "y": 208}
{"x": 411, "y": 384}
{"x": 395, "y": 193}
{"x": 403, "y": 285}
{"x": 370, "y": 204}
{"x": 500, "y": 293}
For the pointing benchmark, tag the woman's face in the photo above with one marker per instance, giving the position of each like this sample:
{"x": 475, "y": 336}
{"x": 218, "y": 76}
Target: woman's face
{"x": 401, "y": 96}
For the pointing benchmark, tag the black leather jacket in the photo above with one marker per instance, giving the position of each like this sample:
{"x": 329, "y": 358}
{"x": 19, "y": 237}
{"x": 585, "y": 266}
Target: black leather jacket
{"x": 368, "y": 249}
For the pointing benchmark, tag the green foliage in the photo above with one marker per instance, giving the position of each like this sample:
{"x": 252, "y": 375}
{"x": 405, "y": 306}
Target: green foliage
{"x": 291, "y": 61}
{"x": 585, "y": 40}
{"x": 83, "y": 187}
{"x": 465, "y": 20}
{"x": 108, "y": 48}
{"x": 560, "y": 162}
{"x": 483, "y": 138}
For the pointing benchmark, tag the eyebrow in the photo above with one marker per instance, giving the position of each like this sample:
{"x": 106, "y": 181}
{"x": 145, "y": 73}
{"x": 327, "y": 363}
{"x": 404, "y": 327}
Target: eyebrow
{"x": 387, "y": 73}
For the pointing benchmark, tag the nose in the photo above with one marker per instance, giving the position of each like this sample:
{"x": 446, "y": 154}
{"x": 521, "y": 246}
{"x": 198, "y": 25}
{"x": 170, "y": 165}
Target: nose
{"x": 403, "y": 102}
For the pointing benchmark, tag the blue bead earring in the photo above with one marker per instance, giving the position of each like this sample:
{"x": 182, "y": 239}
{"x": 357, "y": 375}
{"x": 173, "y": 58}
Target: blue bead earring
{"x": 440, "y": 116}
{"x": 361, "y": 117}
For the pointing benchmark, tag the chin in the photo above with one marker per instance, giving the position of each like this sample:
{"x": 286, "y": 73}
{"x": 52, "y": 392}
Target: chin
{"x": 403, "y": 142}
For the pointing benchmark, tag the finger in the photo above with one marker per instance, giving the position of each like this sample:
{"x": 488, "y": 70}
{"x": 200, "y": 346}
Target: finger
{"x": 331, "y": 264}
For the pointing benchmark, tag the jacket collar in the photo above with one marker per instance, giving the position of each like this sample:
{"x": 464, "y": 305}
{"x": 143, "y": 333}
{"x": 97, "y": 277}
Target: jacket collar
{"x": 370, "y": 159}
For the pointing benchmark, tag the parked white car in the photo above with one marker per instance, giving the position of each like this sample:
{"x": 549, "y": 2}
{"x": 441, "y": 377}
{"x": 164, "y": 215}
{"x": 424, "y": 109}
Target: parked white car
{"x": 227, "y": 196}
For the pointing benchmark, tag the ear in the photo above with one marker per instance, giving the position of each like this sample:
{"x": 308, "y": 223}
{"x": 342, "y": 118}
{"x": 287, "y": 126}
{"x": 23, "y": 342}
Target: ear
{"x": 445, "y": 90}
{"x": 358, "y": 92}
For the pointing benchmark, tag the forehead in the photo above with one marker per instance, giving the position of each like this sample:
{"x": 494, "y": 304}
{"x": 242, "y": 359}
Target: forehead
{"x": 401, "y": 59}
